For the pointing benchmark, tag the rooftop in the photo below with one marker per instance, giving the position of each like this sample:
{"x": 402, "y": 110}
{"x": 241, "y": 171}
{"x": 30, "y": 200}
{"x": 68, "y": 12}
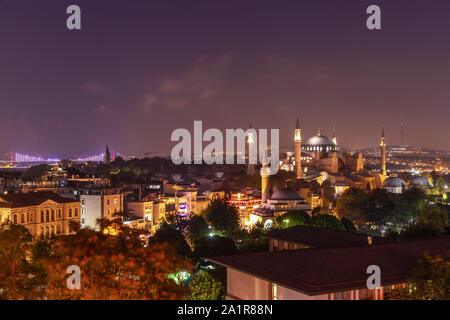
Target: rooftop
{"x": 17, "y": 200}
{"x": 322, "y": 271}
{"x": 323, "y": 237}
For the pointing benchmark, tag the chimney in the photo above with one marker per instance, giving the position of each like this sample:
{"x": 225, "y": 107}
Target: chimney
{"x": 369, "y": 240}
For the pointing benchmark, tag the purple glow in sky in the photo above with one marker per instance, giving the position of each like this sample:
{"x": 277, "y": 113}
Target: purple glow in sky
{"x": 140, "y": 69}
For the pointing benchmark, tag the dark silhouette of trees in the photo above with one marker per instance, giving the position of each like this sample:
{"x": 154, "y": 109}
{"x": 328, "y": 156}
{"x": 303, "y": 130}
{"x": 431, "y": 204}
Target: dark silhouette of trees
{"x": 222, "y": 217}
{"x": 293, "y": 218}
{"x": 327, "y": 221}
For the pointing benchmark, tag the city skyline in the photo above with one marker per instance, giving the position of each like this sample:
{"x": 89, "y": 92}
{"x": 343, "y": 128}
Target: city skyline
{"x": 159, "y": 67}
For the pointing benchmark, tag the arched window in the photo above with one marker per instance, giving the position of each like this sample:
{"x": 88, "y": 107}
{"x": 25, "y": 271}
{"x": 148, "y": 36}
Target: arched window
{"x": 58, "y": 228}
{"x": 47, "y": 232}
{"x": 53, "y": 215}
{"x": 22, "y": 218}
{"x": 42, "y": 231}
{"x": 47, "y": 216}
{"x": 53, "y": 230}
{"x": 59, "y": 213}
{"x": 42, "y": 216}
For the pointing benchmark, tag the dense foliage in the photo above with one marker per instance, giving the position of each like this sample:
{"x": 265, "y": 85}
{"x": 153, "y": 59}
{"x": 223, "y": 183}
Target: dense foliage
{"x": 428, "y": 280}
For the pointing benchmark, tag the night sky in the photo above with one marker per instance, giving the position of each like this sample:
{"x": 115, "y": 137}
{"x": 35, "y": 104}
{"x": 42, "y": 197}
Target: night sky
{"x": 139, "y": 69}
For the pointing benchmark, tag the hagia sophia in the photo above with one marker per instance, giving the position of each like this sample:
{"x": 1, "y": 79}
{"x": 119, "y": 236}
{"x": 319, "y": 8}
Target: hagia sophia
{"x": 320, "y": 159}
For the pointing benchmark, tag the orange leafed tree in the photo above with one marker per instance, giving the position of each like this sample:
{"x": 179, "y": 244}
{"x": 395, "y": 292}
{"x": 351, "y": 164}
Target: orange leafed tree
{"x": 114, "y": 267}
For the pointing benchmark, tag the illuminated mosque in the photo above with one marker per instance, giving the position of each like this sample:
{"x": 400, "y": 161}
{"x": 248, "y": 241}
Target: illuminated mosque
{"x": 320, "y": 158}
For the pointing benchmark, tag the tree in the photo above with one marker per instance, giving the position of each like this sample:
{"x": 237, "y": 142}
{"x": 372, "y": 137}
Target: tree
{"x": 407, "y": 206}
{"x": 419, "y": 230}
{"x": 214, "y": 246}
{"x": 223, "y": 217}
{"x": 329, "y": 193}
{"x": 206, "y": 287}
{"x": 428, "y": 280}
{"x": 435, "y": 215}
{"x": 380, "y": 208}
{"x": 348, "y": 224}
{"x": 172, "y": 236}
{"x": 114, "y": 267}
{"x": 327, "y": 221}
{"x": 19, "y": 277}
{"x": 197, "y": 228}
{"x": 293, "y": 218}
{"x": 352, "y": 205}
{"x": 439, "y": 186}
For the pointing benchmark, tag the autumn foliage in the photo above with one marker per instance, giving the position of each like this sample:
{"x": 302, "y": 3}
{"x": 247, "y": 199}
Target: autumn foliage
{"x": 114, "y": 267}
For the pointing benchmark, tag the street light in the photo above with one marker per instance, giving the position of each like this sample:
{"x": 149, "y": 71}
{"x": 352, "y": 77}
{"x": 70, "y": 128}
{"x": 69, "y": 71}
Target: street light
{"x": 286, "y": 221}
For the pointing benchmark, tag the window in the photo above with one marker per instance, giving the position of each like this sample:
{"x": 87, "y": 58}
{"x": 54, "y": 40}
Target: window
{"x": 15, "y": 219}
{"x": 76, "y": 212}
{"x": 47, "y": 232}
{"x": 42, "y": 216}
{"x": 53, "y": 230}
{"x": 47, "y": 216}
{"x": 53, "y": 215}
{"x": 83, "y": 202}
{"x": 70, "y": 213}
{"x": 59, "y": 213}
{"x": 58, "y": 228}
{"x": 107, "y": 202}
{"x": 22, "y": 218}
{"x": 42, "y": 231}
{"x": 115, "y": 201}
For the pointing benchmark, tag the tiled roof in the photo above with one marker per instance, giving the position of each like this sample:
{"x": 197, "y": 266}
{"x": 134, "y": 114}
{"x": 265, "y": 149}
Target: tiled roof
{"x": 322, "y": 271}
{"x": 16, "y": 200}
{"x": 323, "y": 237}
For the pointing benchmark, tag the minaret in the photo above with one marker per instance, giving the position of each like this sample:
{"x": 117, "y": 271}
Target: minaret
{"x": 334, "y": 135}
{"x": 107, "y": 156}
{"x": 383, "y": 152}
{"x": 265, "y": 173}
{"x": 250, "y": 142}
{"x": 298, "y": 150}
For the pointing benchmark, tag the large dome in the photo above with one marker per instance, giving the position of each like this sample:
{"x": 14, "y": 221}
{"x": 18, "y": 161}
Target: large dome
{"x": 285, "y": 194}
{"x": 394, "y": 182}
{"x": 319, "y": 143}
{"x": 319, "y": 140}
{"x": 420, "y": 181}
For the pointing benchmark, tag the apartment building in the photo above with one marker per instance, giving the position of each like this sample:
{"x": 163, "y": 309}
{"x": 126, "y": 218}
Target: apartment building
{"x": 100, "y": 204}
